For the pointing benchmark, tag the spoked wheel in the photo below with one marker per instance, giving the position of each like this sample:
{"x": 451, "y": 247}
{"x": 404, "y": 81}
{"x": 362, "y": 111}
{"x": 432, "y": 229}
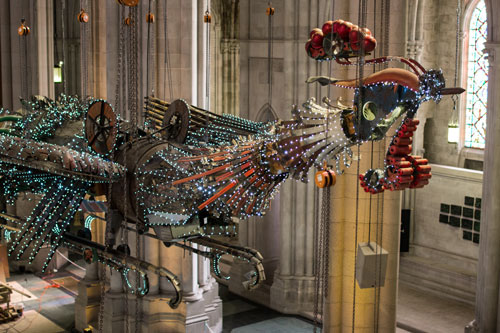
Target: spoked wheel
{"x": 176, "y": 121}
{"x": 101, "y": 126}
{"x": 333, "y": 45}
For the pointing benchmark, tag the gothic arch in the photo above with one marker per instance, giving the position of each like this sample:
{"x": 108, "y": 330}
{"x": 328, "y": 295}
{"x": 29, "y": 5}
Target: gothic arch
{"x": 266, "y": 113}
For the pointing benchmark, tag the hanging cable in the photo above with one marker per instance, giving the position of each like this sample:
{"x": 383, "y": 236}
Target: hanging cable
{"x": 457, "y": 41}
{"x": 168, "y": 69}
{"x": 377, "y": 284}
{"x": 23, "y": 32}
{"x": 63, "y": 30}
{"x": 134, "y": 81}
{"x": 270, "y": 14}
{"x": 207, "y": 18}
{"x": 322, "y": 229}
{"x": 377, "y": 287}
{"x": 362, "y": 10}
{"x": 83, "y": 18}
{"x": 124, "y": 35}
{"x": 150, "y": 19}
{"x": 379, "y": 237}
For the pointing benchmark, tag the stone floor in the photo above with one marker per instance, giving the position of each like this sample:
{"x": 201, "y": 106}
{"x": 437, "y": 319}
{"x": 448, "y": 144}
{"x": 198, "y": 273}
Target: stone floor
{"x": 51, "y": 309}
{"x": 242, "y": 316}
{"x": 422, "y": 312}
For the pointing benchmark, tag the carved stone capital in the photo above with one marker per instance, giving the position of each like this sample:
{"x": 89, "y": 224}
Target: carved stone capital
{"x": 491, "y": 49}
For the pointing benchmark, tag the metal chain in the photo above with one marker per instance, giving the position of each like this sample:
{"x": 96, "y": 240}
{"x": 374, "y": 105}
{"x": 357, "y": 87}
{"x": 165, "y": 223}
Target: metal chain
{"x": 319, "y": 227}
{"x": 138, "y": 313}
{"x": 133, "y": 74}
{"x": 322, "y": 253}
{"x": 387, "y": 19}
{"x": 102, "y": 279}
{"x": 326, "y": 241}
{"x": 121, "y": 42}
{"x": 107, "y": 231}
{"x": 133, "y": 103}
{"x": 317, "y": 261}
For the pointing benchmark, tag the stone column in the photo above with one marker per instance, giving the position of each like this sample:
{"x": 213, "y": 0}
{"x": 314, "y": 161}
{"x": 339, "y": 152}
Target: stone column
{"x": 350, "y": 225}
{"x": 227, "y": 56}
{"x": 87, "y": 301}
{"x": 11, "y": 14}
{"x": 97, "y": 66}
{"x": 116, "y": 302}
{"x": 151, "y": 303}
{"x": 488, "y": 275}
{"x": 293, "y": 286}
{"x": 45, "y": 42}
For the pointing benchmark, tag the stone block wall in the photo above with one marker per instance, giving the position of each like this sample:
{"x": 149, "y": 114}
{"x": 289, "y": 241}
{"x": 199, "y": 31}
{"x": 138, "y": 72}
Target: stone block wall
{"x": 444, "y": 246}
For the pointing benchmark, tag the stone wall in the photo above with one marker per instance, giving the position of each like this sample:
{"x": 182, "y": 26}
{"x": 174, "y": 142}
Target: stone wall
{"x": 444, "y": 246}
{"x": 429, "y": 232}
{"x": 438, "y": 51}
{"x": 434, "y": 244}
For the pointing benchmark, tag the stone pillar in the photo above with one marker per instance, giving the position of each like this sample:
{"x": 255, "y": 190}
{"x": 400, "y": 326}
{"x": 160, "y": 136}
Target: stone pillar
{"x": 11, "y": 14}
{"x": 227, "y": 56}
{"x": 343, "y": 245}
{"x": 45, "y": 42}
{"x": 87, "y": 301}
{"x": 97, "y": 66}
{"x": 116, "y": 301}
{"x": 293, "y": 286}
{"x": 230, "y": 54}
{"x": 201, "y": 305}
{"x": 488, "y": 276}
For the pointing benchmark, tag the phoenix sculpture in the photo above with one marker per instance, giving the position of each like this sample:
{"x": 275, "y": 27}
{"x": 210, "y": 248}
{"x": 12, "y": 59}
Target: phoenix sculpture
{"x": 187, "y": 173}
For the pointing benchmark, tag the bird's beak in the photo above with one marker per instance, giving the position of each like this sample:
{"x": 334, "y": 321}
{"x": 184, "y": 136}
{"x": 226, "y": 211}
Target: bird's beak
{"x": 452, "y": 91}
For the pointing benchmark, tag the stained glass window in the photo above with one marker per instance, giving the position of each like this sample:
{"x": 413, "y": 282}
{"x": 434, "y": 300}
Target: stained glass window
{"x": 477, "y": 80}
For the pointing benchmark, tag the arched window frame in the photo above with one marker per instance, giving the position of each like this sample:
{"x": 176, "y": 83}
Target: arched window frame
{"x": 466, "y": 152}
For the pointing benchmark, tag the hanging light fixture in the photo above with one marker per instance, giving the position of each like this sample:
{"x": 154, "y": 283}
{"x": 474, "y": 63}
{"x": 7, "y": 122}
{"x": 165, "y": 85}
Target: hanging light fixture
{"x": 453, "y": 133}
{"x": 58, "y": 72}
{"x": 453, "y": 129}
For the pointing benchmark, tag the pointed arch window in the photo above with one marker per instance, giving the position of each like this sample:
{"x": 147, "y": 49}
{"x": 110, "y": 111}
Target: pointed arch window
{"x": 477, "y": 79}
